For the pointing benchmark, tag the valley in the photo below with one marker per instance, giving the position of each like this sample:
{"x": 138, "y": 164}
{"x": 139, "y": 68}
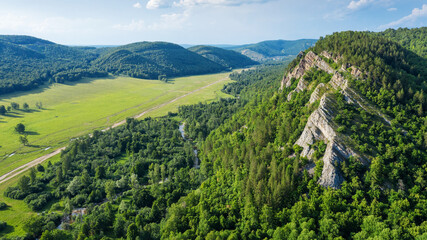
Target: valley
{"x": 329, "y": 144}
{"x": 72, "y": 110}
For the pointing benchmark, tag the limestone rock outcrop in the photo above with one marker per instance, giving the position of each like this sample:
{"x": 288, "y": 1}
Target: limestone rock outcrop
{"x": 310, "y": 60}
{"x": 320, "y": 125}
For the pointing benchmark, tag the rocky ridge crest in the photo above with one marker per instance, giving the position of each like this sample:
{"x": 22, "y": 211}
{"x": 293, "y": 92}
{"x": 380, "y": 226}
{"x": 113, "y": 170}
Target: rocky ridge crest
{"x": 320, "y": 125}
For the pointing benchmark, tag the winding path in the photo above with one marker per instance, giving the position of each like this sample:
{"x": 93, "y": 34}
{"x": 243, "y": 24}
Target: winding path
{"x": 41, "y": 159}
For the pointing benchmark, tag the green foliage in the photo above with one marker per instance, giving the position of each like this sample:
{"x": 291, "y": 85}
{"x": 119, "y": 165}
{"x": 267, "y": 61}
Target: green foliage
{"x": 412, "y": 39}
{"x": 37, "y": 224}
{"x": 56, "y": 235}
{"x": 20, "y": 128}
{"x": 28, "y": 62}
{"x": 23, "y": 140}
{"x": 2, "y": 110}
{"x": 3, "y": 205}
{"x": 226, "y": 58}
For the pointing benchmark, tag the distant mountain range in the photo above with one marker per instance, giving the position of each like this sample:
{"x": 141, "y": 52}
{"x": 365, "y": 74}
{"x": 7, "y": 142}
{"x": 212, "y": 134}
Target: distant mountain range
{"x": 273, "y": 50}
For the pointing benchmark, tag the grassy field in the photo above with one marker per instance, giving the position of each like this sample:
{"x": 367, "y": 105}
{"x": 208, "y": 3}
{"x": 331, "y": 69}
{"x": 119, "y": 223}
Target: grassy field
{"x": 72, "y": 110}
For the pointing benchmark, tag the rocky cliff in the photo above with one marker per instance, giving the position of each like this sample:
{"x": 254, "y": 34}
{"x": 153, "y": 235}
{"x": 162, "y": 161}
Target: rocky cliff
{"x": 320, "y": 125}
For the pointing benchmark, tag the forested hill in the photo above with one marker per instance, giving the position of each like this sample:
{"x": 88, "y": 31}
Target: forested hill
{"x": 338, "y": 153}
{"x": 154, "y": 59}
{"x": 227, "y": 58}
{"x": 27, "y": 62}
{"x": 274, "y": 49}
{"x": 412, "y": 39}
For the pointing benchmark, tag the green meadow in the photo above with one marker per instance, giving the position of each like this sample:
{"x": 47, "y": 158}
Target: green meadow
{"x": 74, "y": 109}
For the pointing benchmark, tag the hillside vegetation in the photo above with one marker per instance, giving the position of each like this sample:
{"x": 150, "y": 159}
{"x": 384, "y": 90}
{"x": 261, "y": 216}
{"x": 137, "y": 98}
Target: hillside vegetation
{"x": 412, "y": 39}
{"x": 226, "y": 58}
{"x": 275, "y": 49}
{"x": 153, "y": 59}
{"x": 260, "y": 184}
{"x": 28, "y": 62}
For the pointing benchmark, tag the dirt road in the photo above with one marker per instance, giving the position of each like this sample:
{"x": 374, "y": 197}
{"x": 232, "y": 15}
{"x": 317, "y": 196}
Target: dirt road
{"x": 41, "y": 159}
{"x": 29, "y": 165}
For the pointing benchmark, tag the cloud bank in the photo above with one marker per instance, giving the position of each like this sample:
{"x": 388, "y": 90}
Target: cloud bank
{"x": 411, "y": 18}
{"x": 156, "y": 4}
{"x": 355, "y": 5}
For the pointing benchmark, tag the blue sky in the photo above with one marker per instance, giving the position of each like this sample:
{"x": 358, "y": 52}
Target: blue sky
{"x": 113, "y": 22}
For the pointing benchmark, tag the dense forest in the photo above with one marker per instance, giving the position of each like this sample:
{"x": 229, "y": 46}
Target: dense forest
{"x": 138, "y": 181}
{"x": 412, "y": 39}
{"x": 27, "y": 62}
{"x": 260, "y": 190}
{"x": 226, "y": 58}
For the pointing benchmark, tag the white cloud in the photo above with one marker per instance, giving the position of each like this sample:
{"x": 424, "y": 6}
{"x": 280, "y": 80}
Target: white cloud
{"x": 27, "y": 24}
{"x": 411, "y": 18}
{"x": 392, "y": 9}
{"x": 355, "y": 5}
{"x": 173, "y": 21}
{"x": 137, "y": 5}
{"x": 155, "y": 4}
{"x": 133, "y": 26}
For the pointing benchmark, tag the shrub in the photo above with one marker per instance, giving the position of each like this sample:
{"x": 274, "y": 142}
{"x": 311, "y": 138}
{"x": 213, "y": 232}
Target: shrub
{"x": 3, "y": 205}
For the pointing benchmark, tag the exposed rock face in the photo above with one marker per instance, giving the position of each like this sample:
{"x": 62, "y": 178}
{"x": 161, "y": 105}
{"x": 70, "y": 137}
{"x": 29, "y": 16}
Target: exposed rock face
{"x": 318, "y": 92}
{"x": 335, "y": 154}
{"x": 310, "y": 60}
{"x": 320, "y": 125}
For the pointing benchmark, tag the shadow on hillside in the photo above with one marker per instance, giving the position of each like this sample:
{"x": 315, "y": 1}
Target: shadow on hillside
{"x": 14, "y": 115}
{"x": 170, "y": 81}
{"x": 35, "y": 146}
{"x": 44, "y": 87}
{"x": 7, "y": 230}
{"x": 86, "y": 80}
{"x": 31, "y": 133}
{"x": 29, "y": 110}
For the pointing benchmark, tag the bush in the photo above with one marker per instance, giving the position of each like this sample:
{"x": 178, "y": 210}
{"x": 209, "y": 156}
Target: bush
{"x": 341, "y": 129}
{"x": 37, "y": 201}
{"x": 56, "y": 206}
{"x": 3, "y": 225}
{"x": 3, "y": 205}
{"x": 14, "y": 193}
{"x": 79, "y": 200}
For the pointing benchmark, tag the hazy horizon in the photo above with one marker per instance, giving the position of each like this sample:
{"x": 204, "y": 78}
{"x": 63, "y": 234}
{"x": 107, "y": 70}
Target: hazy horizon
{"x": 193, "y": 22}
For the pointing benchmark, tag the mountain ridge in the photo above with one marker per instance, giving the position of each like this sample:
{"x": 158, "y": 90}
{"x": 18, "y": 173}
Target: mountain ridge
{"x": 227, "y": 58}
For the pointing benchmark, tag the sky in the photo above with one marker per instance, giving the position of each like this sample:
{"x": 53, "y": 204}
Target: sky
{"x": 117, "y": 22}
